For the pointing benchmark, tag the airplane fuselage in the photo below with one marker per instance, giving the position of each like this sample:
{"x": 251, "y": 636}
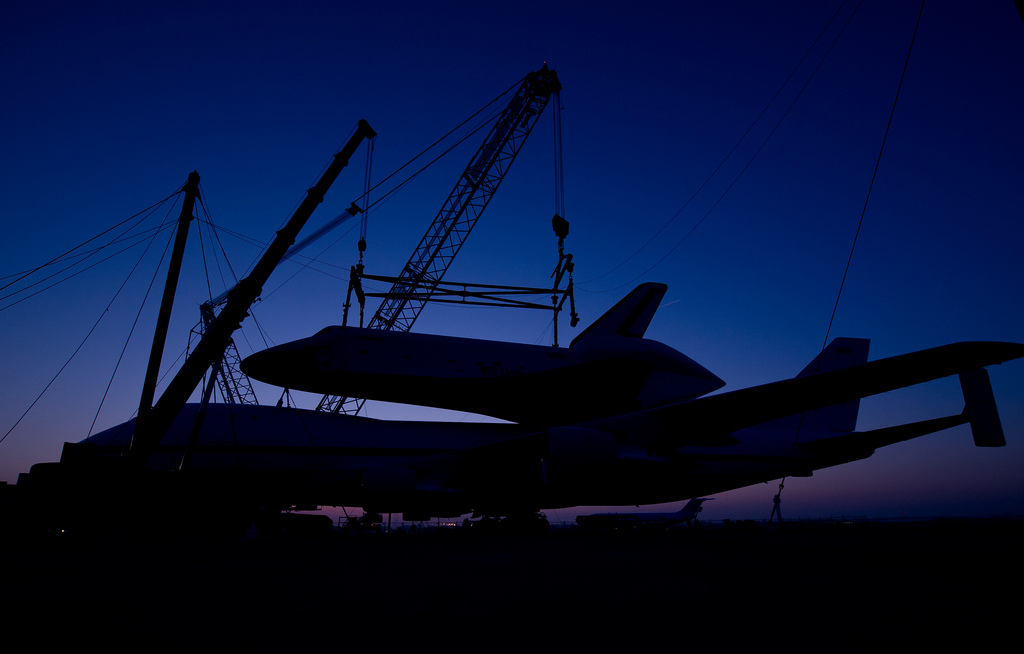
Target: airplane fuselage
{"x": 428, "y": 468}
{"x": 614, "y": 419}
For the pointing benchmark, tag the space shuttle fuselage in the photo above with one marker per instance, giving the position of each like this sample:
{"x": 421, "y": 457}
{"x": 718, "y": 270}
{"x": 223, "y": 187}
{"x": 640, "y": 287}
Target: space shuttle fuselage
{"x": 608, "y": 369}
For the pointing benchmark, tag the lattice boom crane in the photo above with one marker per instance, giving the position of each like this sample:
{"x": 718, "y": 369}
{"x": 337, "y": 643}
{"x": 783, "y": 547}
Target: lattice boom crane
{"x": 467, "y": 201}
{"x": 475, "y": 188}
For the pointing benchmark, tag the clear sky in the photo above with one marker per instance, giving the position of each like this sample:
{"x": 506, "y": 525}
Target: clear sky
{"x": 108, "y": 106}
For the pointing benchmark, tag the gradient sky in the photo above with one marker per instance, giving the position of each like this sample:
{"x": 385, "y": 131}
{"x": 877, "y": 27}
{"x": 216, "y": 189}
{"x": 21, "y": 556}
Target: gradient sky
{"x": 108, "y": 106}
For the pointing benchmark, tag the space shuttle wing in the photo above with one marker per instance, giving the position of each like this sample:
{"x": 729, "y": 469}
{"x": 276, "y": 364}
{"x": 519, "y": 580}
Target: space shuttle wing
{"x": 732, "y": 411}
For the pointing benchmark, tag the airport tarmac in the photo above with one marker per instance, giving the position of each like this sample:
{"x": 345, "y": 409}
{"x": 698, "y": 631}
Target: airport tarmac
{"x": 840, "y": 587}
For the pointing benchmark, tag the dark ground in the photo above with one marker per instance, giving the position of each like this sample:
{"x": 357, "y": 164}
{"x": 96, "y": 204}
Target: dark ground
{"x": 837, "y": 588}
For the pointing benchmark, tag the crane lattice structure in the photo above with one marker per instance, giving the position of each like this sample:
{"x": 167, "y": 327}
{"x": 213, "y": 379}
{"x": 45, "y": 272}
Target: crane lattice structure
{"x": 234, "y": 385}
{"x": 459, "y": 214}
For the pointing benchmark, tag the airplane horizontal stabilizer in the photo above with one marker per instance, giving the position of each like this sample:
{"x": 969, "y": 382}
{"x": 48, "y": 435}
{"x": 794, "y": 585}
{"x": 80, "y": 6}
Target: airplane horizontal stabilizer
{"x": 863, "y": 443}
{"x": 748, "y": 407}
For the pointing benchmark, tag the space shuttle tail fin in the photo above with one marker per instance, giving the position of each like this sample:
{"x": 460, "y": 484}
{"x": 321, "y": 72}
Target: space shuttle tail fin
{"x": 630, "y": 317}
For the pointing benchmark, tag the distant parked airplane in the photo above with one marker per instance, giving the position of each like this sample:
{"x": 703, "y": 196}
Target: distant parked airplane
{"x": 686, "y": 514}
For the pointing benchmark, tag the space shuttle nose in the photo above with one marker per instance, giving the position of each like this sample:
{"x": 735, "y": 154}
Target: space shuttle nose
{"x": 285, "y": 366}
{"x": 259, "y": 365}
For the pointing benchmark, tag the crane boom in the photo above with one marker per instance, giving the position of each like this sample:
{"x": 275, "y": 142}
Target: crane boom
{"x": 469, "y": 198}
{"x": 211, "y": 348}
{"x": 459, "y": 213}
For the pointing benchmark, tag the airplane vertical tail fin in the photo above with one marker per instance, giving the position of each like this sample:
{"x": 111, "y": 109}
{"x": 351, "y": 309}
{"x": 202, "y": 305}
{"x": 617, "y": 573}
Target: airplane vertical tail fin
{"x": 840, "y": 353}
{"x": 630, "y": 317}
{"x": 693, "y": 507}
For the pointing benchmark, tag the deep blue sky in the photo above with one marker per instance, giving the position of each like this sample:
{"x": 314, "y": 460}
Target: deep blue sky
{"x": 108, "y": 106}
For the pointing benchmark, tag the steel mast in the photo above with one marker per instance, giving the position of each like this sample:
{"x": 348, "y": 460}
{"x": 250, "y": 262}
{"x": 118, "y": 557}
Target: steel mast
{"x": 218, "y": 336}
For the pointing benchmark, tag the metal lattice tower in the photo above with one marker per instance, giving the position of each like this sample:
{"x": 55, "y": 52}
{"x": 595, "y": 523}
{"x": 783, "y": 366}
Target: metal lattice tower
{"x": 234, "y": 386}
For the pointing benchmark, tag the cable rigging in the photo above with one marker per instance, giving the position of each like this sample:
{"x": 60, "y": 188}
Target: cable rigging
{"x": 145, "y": 214}
{"x": 421, "y": 278}
{"x": 729, "y": 154}
{"x": 125, "y": 235}
{"x": 354, "y": 207}
{"x": 138, "y": 315}
{"x": 860, "y": 223}
{"x": 80, "y": 258}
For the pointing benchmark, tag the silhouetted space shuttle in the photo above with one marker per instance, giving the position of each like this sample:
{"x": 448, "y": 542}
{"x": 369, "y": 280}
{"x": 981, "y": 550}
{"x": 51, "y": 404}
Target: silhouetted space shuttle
{"x": 607, "y": 370}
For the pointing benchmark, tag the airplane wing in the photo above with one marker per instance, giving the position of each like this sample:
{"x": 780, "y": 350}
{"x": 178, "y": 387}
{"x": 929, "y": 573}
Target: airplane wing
{"x": 708, "y": 421}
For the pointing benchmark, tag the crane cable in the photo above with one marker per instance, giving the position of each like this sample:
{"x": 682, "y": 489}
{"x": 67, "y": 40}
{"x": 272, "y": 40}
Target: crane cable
{"x": 559, "y": 173}
{"x": 148, "y": 211}
{"x": 138, "y": 315}
{"x": 61, "y": 257}
{"x": 474, "y": 130}
{"x": 731, "y": 151}
{"x": 83, "y": 256}
{"x": 853, "y": 246}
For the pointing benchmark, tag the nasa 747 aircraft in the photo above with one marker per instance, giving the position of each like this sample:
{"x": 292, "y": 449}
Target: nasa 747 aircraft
{"x": 614, "y": 419}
